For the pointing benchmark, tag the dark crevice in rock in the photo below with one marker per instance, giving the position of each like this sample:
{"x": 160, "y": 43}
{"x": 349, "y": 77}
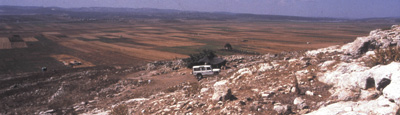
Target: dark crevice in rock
{"x": 383, "y": 83}
{"x": 365, "y": 47}
{"x": 370, "y": 83}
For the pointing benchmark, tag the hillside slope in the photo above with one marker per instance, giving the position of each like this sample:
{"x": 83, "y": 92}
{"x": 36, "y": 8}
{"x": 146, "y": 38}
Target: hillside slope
{"x": 334, "y": 80}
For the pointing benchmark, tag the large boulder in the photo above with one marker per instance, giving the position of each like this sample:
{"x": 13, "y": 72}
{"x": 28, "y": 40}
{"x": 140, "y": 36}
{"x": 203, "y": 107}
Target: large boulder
{"x": 348, "y": 78}
{"x": 220, "y": 90}
{"x": 350, "y": 82}
{"x": 343, "y": 76}
{"x": 354, "y": 75}
{"x": 360, "y": 46}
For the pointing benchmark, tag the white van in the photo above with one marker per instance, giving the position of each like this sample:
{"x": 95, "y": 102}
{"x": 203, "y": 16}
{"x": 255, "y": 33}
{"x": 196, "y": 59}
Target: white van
{"x": 201, "y": 70}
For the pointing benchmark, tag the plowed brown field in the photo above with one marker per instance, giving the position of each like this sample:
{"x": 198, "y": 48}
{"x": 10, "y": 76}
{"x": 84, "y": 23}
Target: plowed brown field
{"x": 137, "y": 42}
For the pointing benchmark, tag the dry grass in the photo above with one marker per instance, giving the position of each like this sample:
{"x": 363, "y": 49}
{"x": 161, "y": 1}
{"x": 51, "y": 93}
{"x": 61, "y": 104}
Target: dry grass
{"x": 190, "y": 87}
{"x": 120, "y": 110}
{"x": 384, "y": 56}
{"x": 194, "y": 88}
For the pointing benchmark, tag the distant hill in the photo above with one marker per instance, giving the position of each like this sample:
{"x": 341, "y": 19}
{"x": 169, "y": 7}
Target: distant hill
{"x": 151, "y": 13}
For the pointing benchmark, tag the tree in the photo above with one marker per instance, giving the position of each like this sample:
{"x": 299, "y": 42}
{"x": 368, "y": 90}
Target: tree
{"x": 194, "y": 58}
{"x": 228, "y": 46}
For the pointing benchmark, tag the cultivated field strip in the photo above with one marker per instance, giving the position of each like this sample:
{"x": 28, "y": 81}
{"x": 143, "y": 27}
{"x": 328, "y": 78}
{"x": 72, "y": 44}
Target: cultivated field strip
{"x": 18, "y": 45}
{"x": 5, "y": 43}
{"x": 30, "y": 39}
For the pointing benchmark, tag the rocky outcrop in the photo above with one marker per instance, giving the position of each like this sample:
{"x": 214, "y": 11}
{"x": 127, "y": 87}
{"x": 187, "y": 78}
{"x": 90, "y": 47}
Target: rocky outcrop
{"x": 349, "y": 78}
{"x": 376, "y": 39}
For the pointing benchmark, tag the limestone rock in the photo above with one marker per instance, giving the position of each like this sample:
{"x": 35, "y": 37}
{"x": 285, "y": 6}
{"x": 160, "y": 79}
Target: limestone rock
{"x": 299, "y": 102}
{"x": 282, "y": 109}
{"x": 343, "y": 94}
{"x": 380, "y": 106}
{"x": 220, "y": 89}
{"x": 204, "y": 90}
{"x": 309, "y": 93}
{"x": 265, "y": 67}
{"x": 368, "y": 94}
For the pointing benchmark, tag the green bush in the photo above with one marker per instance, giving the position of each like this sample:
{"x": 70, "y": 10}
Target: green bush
{"x": 385, "y": 56}
{"x": 194, "y": 58}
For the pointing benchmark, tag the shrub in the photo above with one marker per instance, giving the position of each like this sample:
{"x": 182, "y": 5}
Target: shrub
{"x": 194, "y": 58}
{"x": 120, "y": 110}
{"x": 195, "y": 88}
{"x": 172, "y": 89}
{"x": 228, "y": 46}
{"x": 385, "y": 56}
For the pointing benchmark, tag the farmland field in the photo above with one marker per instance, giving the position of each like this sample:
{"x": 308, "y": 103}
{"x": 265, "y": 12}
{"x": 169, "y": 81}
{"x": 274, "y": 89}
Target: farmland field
{"x": 103, "y": 43}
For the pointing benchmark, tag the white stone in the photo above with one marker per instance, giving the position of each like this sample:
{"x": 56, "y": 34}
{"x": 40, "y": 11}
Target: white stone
{"x": 167, "y": 110}
{"x": 136, "y": 99}
{"x": 203, "y": 90}
{"x": 309, "y": 93}
{"x": 265, "y": 67}
{"x": 380, "y": 106}
{"x": 330, "y": 49}
{"x": 241, "y": 72}
{"x": 255, "y": 90}
{"x": 265, "y": 95}
{"x": 298, "y": 100}
{"x": 293, "y": 90}
{"x": 281, "y": 109}
{"x": 324, "y": 66}
{"x": 220, "y": 89}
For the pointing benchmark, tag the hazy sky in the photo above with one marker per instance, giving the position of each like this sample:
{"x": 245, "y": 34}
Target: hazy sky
{"x": 309, "y": 8}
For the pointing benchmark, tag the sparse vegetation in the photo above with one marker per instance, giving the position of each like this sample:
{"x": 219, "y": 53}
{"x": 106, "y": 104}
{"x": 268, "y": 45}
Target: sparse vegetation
{"x": 171, "y": 89}
{"x": 189, "y": 87}
{"x": 384, "y": 56}
{"x": 194, "y": 88}
{"x": 120, "y": 110}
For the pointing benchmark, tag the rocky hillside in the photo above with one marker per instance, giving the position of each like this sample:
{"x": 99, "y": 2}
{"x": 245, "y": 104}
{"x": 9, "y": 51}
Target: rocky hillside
{"x": 346, "y": 79}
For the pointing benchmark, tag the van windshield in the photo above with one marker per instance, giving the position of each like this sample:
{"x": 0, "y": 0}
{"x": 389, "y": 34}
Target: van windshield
{"x": 208, "y": 68}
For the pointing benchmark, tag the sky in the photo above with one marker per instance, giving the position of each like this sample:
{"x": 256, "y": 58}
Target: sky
{"x": 309, "y": 8}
